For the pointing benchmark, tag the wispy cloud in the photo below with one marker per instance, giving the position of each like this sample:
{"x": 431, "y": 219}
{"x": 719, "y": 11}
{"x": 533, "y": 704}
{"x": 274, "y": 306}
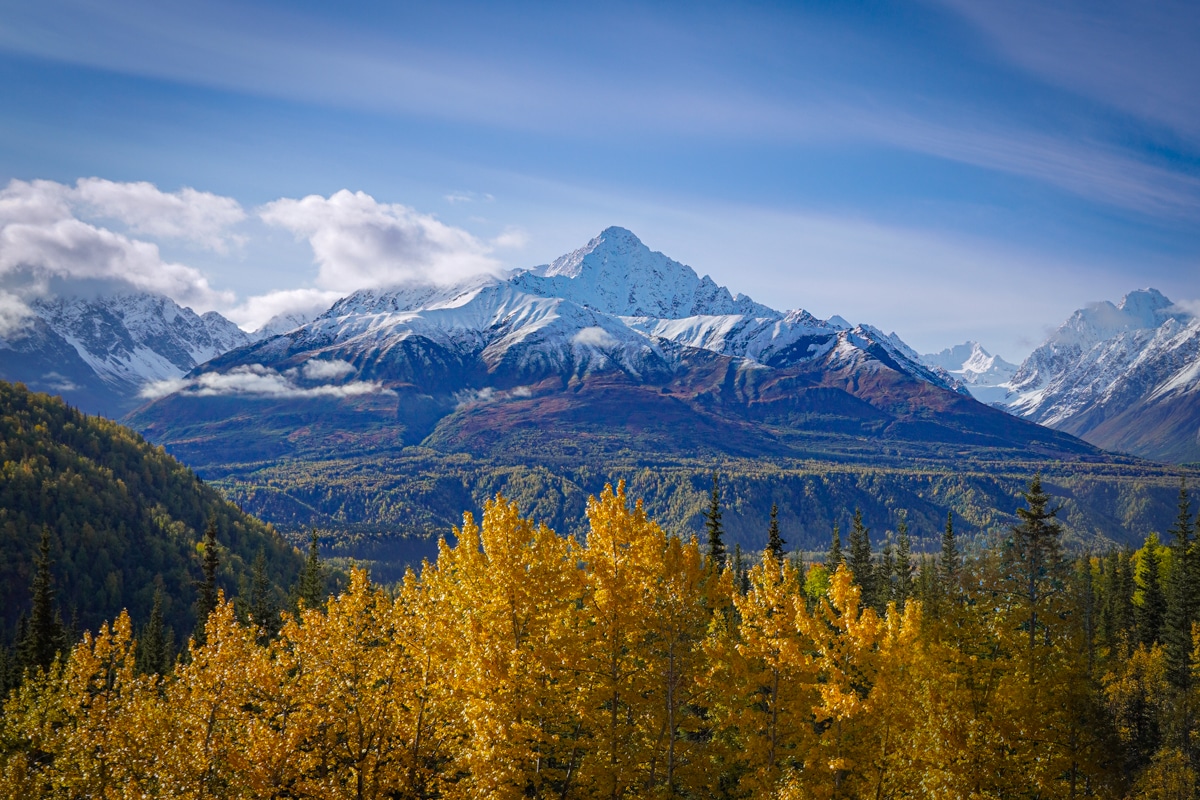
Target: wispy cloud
{"x": 255, "y": 380}
{"x": 1138, "y": 57}
{"x": 469, "y": 197}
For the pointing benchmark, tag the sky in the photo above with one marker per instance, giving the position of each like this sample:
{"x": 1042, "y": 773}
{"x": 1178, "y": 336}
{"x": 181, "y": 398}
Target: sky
{"x": 944, "y": 169}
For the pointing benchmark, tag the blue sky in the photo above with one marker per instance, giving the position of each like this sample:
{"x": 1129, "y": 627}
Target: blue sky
{"x": 947, "y": 170}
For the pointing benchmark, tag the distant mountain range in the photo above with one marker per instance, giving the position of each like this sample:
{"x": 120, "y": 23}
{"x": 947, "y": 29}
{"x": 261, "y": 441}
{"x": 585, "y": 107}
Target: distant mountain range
{"x": 100, "y": 352}
{"x": 1124, "y": 377}
{"x": 611, "y": 338}
{"x": 984, "y": 375}
{"x": 397, "y": 409}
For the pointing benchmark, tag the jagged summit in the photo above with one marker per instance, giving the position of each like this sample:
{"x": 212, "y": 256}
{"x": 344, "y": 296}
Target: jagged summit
{"x": 1123, "y": 376}
{"x": 99, "y": 350}
{"x": 617, "y": 274}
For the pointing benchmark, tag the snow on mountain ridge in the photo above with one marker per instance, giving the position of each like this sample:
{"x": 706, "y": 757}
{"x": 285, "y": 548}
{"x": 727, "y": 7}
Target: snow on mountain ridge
{"x": 617, "y": 274}
{"x": 984, "y": 375}
{"x": 129, "y": 339}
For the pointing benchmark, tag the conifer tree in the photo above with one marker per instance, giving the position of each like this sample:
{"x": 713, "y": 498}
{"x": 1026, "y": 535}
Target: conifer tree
{"x": 1033, "y": 569}
{"x": 834, "y": 558}
{"x": 949, "y": 561}
{"x": 262, "y": 604}
{"x": 741, "y": 580}
{"x": 1182, "y": 596}
{"x": 206, "y": 594}
{"x": 715, "y": 556}
{"x": 154, "y": 645}
{"x": 775, "y": 543}
{"x": 904, "y": 567}
{"x": 860, "y": 562}
{"x": 44, "y": 637}
{"x": 885, "y": 589}
{"x": 1126, "y": 611}
{"x": 1153, "y": 610}
{"x": 311, "y": 589}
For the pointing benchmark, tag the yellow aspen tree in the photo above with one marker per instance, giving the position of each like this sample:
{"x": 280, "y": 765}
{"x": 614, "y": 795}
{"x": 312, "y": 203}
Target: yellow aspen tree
{"x": 617, "y": 610}
{"x": 844, "y": 639}
{"x": 354, "y": 696}
{"x": 513, "y": 590}
{"x": 431, "y": 726}
{"x": 960, "y": 668}
{"x": 676, "y": 624}
{"x": 770, "y": 679}
{"x": 204, "y": 717}
{"x": 80, "y": 723}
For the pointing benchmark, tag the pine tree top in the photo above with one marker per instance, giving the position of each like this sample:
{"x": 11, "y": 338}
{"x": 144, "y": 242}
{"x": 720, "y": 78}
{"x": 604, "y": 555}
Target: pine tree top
{"x": 714, "y": 529}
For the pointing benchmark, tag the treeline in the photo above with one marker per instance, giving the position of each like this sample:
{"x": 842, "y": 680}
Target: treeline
{"x": 631, "y": 663}
{"x": 125, "y": 519}
{"x": 415, "y": 495}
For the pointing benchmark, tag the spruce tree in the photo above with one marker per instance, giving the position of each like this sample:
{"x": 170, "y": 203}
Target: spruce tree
{"x": 860, "y": 562}
{"x": 928, "y": 589}
{"x": 1033, "y": 572}
{"x": 833, "y": 559}
{"x": 263, "y": 610}
{"x": 715, "y": 556}
{"x": 1126, "y": 610}
{"x": 1181, "y": 596}
{"x": 949, "y": 561}
{"x": 904, "y": 567}
{"x": 206, "y": 594}
{"x": 154, "y": 644}
{"x": 44, "y": 636}
{"x": 885, "y": 574}
{"x": 311, "y": 589}
{"x": 1153, "y": 611}
{"x": 774, "y": 542}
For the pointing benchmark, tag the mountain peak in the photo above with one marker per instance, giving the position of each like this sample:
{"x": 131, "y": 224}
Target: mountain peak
{"x": 617, "y": 274}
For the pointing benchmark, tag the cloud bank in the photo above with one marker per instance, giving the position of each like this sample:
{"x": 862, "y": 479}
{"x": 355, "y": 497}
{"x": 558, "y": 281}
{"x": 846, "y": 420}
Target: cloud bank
{"x": 53, "y": 234}
{"x": 255, "y": 380}
{"x": 360, "y": 243}
{"x": 44, "y": 238}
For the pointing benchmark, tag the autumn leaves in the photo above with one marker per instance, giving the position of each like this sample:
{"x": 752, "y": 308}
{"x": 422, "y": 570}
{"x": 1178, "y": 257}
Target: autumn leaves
{"x": 525, "y": 664}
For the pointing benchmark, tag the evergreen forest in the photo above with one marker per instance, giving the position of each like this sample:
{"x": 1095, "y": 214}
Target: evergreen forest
{"x": 630, "y": 662}
{"x": 123, "y": 521}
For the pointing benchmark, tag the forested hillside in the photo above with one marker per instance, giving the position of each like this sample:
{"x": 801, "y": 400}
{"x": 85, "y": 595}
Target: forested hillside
{"x": 123, "y": 518}
{"x": 631, "y": 663}
{"x": 390, "y": 510}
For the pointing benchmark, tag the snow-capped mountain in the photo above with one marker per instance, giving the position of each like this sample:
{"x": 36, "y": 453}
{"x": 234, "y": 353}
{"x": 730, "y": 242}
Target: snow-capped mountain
{"x": 984, "y": 375}
{"x": 612, "y": 338}
{"x": 1124, "y": 377}
{"x": 617, "y": 274}
{"x": 611, "y": 305}
{"x": 100, "y": 351}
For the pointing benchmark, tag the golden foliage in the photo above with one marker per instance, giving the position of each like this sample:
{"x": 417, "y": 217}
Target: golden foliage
{"x": 524, "y": 664}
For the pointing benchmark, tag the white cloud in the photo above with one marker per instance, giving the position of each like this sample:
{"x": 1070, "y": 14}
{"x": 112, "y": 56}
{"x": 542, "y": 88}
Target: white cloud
{"x": 70, "y": 248}
{"x": 594, "y": 337}
{"x": 316, "y": 370}
{"x": 43, "y": 240}
{"x": 256, "y": 380}
{"x": 511, "y": 239}
{"x": 468, "y": 398}
{"x": 360, "y": 243}
{"x": 285, "y": 304}
{"x": 202, "y": 218}
{"x": 13, "y": 313}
